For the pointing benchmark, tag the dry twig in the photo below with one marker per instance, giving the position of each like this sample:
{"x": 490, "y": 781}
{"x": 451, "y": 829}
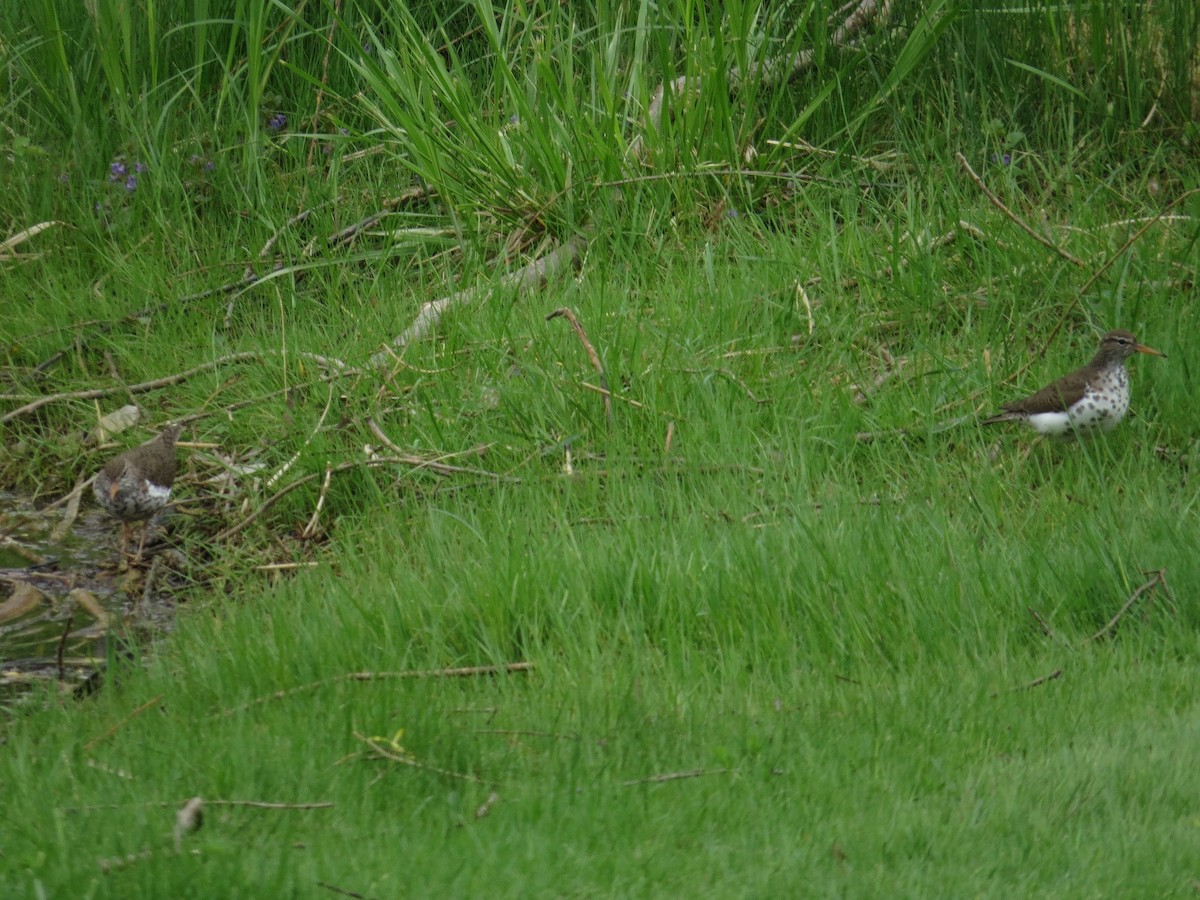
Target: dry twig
{"x": 460, "y": 672}
{"x": 145, "y": 386}
{"x": 1157, "y": 577}
{"x": 409, "y": 761}
{"x": 593, "y": 356}
{"x": 1100, "y": 271}
{"x": 1057, "y": 673}
{"x": 524, "y": 280}
{"x": 435, "y": 464}
{"x": 148, "y": 705}
{"x": 311, "y": 528}
{"x": 1016, "y": 220}
{"x": 675, "y": 776}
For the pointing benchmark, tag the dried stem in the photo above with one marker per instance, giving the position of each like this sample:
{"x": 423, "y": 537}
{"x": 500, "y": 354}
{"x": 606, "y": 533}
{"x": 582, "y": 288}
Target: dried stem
{"x": 594, "y": 357}
{"x": 459, "y": 672}
{"x": 1016, "y": 220}
{"x": 524, "y": 280}
{"x": 409, "y": 761}
{"x": 1159, "y": 576}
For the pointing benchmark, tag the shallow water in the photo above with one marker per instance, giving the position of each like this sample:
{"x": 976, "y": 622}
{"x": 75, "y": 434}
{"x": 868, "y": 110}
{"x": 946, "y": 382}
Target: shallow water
{"x": 64, "y": 605}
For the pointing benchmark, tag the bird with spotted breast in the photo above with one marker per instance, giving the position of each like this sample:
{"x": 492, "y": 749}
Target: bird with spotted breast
{"x": 136, "y": 484}
{"x": 1093, "y": 397}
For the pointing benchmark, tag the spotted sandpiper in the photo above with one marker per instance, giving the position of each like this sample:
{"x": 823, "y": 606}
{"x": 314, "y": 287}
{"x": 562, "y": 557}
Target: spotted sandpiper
{"x": 137, "y": 483}
{"x": 1091, "y": 397}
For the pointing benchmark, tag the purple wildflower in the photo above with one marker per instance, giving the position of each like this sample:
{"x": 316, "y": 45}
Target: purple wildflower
{"x": 277, "y": 122}
{"x": 131, "y": 184}
{"x": 139, "y": 167}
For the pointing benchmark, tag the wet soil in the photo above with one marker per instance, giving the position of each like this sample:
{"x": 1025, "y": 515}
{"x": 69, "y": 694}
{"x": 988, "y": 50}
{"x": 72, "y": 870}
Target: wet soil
{"x": 67, "y": 604}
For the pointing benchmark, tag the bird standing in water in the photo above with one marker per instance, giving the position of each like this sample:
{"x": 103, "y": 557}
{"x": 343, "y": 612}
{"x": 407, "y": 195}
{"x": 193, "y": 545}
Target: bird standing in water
{"x": 136, "y": 484}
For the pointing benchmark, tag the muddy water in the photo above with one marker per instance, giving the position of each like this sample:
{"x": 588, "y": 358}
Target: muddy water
{"x": 64, "y": 605}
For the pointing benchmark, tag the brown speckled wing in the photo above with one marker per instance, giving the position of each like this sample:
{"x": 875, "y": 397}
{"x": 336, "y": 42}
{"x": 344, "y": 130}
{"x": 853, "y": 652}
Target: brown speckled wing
{"x": 1056, "y": 397}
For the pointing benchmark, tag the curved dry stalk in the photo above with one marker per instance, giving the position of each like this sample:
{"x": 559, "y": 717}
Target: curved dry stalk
{"x": 373, "y": 463}
{"x": 569, "y": 315}
{"x": 451, "y": 672}
{"x": 1013, "y": 217}
{"x": 1157, "y": 577}
{"x": 6, "y": 246}
{"x": 142, "y": 388}
{"x": 523, "y": 279}
{"x": 166, "y": 381}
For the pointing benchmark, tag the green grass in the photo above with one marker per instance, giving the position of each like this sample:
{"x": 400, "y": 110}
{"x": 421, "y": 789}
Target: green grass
{"x": 837, "y": 643}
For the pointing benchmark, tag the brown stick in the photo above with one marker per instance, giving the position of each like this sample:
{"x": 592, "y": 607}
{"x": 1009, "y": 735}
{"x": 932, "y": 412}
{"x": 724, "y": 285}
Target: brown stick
{"x": 1045, "y": 626}
{"x": 149, "y": 704}
{"x": 674, "y": 776}
{"x": 1157, "y": 577}
{"x": 435, "y": 465}
{"x": 1016, "y": 220}
{"x": 164, "y": 804}
{"x": 333, "y": 22}
{"x": 142, "y": 388}
{"x": 461, "y": 672}
{"x": 774, "y": 69}
{"x": 1103, "y": 268}
{"x": 374, "y": 463}
{"x": 524, "y": 279}
{"x": 1057, "y": 673}
{"x": 594, "y": 357}
{"x": 311, "y": 528}
{"x": 409, "y": 761}
{"x": 62, "y": 646}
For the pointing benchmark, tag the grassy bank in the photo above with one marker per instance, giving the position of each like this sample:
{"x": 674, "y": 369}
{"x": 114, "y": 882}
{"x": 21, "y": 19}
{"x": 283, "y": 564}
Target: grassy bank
{"x": 794, "y": 623}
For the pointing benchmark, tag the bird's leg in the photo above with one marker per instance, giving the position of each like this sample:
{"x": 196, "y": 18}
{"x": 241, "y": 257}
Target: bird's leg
{"x": 142, "y": 542}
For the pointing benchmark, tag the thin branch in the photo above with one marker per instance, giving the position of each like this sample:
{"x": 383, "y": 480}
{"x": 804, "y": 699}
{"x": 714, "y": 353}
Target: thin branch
{"x": 142, "y": 388}
{"x": 1016, "y": 220}
{"x": 435, "y": 464}
{"x": 311, "y": 528}
{"x": 675, "y": 776}
{"x": 349, "y": 233}
{"x": 772, "y": 70}
{"x": 1062, "y": 318}
{"x": 266, "y": 248}
{"x": 1156, "y": 578}
{"x": 524, "y": 279}
{"x": 373, "y": 463}
{"x": 292, "y": 460}
{"x": 299, "y": 482}
{"x": 607, "y": 394}
{"x": 1045, "y": 626}
{"x": 459, "y": 672}
{"x": 148, "y": 705}
{"x": 567, "y": 314}
{"x": 1037, "y": 682}
{"x": 409, "y": 761}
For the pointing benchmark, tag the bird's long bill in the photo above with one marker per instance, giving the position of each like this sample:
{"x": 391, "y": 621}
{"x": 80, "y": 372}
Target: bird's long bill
{"x": 1142, "y": 348}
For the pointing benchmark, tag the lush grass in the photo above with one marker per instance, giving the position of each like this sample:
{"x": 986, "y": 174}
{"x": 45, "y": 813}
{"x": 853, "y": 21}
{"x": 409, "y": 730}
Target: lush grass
{"x": 834, "y": 637}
